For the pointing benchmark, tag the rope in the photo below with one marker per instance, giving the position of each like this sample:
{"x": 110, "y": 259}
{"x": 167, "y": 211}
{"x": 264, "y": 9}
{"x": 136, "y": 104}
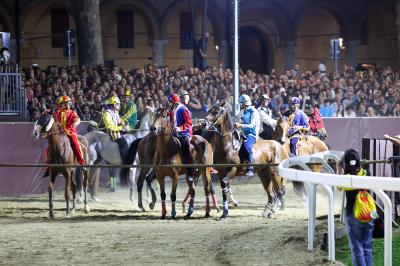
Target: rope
{"x": 166, "y": 165}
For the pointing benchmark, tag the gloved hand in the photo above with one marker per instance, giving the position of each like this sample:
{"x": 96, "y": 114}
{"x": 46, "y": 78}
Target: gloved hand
{"x": 126, "y": 128}
{"x": 176, "y": 130}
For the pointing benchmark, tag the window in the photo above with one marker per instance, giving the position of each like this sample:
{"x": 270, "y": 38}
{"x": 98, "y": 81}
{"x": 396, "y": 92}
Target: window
{"x": 59, "y": 25}
{"x": 125, "y": 28}
{"x": 186, "y": 27}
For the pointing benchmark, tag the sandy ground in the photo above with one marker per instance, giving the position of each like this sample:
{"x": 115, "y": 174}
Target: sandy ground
{"x": 115, "y": 233}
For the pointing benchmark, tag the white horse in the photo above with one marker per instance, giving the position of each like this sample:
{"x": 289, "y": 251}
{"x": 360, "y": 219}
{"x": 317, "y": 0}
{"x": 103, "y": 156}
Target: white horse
{"x": 102, "y": 149}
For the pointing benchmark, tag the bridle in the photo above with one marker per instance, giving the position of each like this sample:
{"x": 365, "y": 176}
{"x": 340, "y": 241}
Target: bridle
{"x": 48, "y": 126}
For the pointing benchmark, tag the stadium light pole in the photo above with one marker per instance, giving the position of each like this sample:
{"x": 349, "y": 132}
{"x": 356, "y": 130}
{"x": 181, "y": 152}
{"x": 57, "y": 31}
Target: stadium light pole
{"x": 236, "y": 108}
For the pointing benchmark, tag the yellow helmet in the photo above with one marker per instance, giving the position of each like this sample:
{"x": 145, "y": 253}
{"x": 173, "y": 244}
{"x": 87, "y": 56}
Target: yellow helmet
{"x": 113, "y": 100}
{"x": 63, "y": 100}
{"x": 127, "y": 93}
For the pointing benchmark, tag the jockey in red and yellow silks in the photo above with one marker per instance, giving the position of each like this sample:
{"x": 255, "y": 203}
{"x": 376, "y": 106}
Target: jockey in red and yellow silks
{"x": 69, "y": 120}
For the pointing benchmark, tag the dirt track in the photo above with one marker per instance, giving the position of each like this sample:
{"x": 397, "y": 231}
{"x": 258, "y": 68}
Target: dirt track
{"x": 113, "y": 234}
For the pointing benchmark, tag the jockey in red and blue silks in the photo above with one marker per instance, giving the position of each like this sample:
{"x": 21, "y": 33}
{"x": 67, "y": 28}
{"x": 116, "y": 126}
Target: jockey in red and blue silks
{"x": 181, "y": 120}
{"x": 299, "y": 122}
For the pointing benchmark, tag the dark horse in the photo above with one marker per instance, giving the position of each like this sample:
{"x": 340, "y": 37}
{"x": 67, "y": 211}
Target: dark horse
{"x": 168, "y": 151}
{"x": 226, "y": 146}
{"x": 60, "y": 152}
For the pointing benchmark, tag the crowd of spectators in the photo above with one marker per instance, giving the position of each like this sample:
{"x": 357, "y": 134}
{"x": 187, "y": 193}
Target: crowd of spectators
{"x": 368, "y": 93}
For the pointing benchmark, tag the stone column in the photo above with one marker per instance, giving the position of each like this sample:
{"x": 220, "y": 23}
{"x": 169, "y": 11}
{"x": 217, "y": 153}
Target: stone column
{"x": 351, "y": 52}
{"x": 88, "y": 30}
{"x": 288, "y": 48}
{"x": 158, "y": 51}
{"x": 223, "y": 54}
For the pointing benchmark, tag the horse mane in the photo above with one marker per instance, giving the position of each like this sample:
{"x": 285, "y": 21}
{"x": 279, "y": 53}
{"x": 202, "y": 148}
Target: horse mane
{"x": 229, "y": 120}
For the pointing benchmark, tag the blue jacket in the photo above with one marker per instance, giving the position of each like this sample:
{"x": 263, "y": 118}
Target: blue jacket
{"x": 250, "y": 121}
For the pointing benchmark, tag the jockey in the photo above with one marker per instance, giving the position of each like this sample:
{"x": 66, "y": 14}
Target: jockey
{"x": 298, "y": 121}
{"x": 181, "y": 120}
{"x": 69, "y": 120}
{"x": 250, "y": 120}
{"x": 114, "y": 125}
{"x": 128, "y": 110}
{"x": 267, "y": 122}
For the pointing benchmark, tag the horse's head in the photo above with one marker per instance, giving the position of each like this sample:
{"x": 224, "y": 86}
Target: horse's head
{"x": 214, "y": 117}
{"x": 148, "y": 118}
{"x": 43, "y": 125}
{"x": 281, "y": 129}
{"x": 162, "y": 122}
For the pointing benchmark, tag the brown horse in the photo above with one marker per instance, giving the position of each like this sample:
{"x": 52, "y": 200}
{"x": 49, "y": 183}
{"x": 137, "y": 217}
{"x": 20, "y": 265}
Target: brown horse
{"x": 226, "y": 150}
{"x": 168, "y": 151}
{"x": 60, "y": 152}
{"x": 306, "y": 144}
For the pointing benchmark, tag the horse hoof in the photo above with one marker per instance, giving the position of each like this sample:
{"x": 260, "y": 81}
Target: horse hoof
{"x": 95, "y": 199}
{"x": 223, "y": 216}
{"x": 51, "y": 215}
{"x": 79, "y": 201}
{"x": 207, "y": 215}
{"x": 87, "y": 209}
{"x": 163, "y": 217}
{"x": 142, "y": 209}
{"x": 72, "y": 212}
{"x": 68, "y": 216}
{"x": 234, "y": 203}
{"x": 152, "y": 205}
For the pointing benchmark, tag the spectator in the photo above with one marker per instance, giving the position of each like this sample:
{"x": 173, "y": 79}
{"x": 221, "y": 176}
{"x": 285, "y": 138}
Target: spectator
{"x": 326, "y": 109}
{"x": 349, "y": 111}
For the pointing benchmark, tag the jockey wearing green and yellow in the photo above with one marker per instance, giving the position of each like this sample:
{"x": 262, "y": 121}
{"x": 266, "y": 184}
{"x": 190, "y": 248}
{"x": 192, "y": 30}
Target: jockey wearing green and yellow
{"x": 128, "y": 110}
{"x": 114, "y": 125}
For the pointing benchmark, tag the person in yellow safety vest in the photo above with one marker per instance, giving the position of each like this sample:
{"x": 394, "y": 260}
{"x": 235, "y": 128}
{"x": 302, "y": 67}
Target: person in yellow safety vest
{"x": 114, "y": 125}
{"x": 128, "y": 110}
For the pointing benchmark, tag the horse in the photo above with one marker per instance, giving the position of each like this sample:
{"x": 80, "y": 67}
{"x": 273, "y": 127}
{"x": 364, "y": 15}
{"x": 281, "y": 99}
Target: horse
{"x": 306, "y": 145}
{"x": 60, "y": 152}
{"x": 226, "y": 143}
{"x": 102, "y": 149}
{"x": 168, "y": 151}
{"x": 317, "y": 124}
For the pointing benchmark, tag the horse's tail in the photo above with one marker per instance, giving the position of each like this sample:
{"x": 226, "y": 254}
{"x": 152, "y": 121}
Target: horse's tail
{"x": 130, "y": 158}
{"x": 300, "y": 191}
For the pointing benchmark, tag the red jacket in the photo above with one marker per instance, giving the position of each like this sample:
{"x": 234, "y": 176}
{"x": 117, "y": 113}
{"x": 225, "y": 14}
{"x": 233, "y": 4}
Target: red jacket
{"x": 67, "y": 118}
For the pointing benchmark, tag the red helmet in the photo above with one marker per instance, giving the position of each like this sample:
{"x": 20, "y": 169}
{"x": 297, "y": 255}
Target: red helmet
{"x": 174, "y": 98}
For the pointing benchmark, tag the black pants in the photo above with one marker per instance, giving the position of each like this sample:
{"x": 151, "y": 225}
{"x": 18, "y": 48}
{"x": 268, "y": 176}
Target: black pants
{"x": 123, "y": 148}
{"x": 267, "y": 132}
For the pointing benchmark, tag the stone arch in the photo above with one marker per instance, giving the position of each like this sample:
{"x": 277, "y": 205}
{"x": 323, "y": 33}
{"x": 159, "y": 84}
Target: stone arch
{"x": 335, "y": 9}
{"x": 214, "y": 16}
{"x": 274, "y": 9}
{"x": 147, "y": 12}
{"x": 255, "y": 50}
{"x": 368, "y": 10}
{"x": 6, "y": 18}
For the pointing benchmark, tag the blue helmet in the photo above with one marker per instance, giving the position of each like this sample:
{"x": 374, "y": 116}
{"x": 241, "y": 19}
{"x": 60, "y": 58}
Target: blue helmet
{"x": 295, "y": 100}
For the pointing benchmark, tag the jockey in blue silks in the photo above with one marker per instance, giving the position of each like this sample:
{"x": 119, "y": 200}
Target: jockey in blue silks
{"x": 181, "y": 120}
{"x": 298, "y": 121}
{"x": 250, "y": 122}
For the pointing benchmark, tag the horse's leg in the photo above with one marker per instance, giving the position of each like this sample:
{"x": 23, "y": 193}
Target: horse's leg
{"x": 224, "y": 188}
{"x": 191, "y": 193}
{"x": 67, "y": 175}
{"x": 132, "y": 181}
{"x": 206, "y": 181}
{"x": 149, "y": 180}
{"x": 161, "y": 182}
{"x": 281, "y": 192}
{"x": 266, "y": 181}
{"x": 77, "y": 176}
{"x": 139, "y": 187}
{"x": 230, "y": 194}
{"x": 174, "y": 177}
{"x": 85, "y": 190}
{"x": 213, "y": 196}
{"x": 53, "y": 175}
{"x": 73, "y": 190}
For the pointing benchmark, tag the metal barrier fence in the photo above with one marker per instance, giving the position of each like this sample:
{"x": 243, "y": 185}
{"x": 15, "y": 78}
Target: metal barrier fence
{"x": 12, "y": 94}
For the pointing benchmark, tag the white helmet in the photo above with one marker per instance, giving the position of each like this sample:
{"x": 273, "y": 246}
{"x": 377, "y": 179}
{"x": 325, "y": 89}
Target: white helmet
{"x": 245, "y": 99}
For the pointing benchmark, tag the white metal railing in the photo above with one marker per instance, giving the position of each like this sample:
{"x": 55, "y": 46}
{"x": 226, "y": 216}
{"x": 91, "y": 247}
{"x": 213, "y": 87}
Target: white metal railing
{"x": 328, "y": 181}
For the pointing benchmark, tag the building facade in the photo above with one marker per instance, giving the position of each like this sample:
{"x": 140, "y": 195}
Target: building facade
{"x": 274, "y": 34}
